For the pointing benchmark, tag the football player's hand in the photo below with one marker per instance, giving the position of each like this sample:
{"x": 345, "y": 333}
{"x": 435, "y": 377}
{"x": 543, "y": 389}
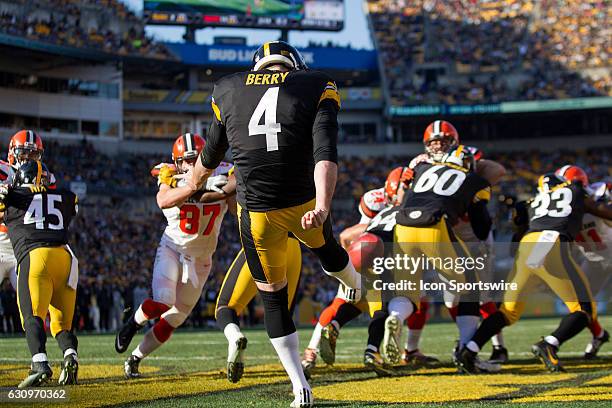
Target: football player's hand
{"x": 423, "y": 157}
{"x": 166, "y": 176}
{"x": 4, "y": 189}
{"x": 314, "y": 218}
{"x": 215, "y": 183}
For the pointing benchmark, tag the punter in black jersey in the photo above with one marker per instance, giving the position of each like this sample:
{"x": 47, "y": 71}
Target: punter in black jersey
{"x": 544, "y": 253}
{"x": 280, "y": 120}
{"x": 37, "y": 221}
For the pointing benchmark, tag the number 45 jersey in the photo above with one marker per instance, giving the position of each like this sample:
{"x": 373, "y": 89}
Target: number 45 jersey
{"x": 558, "y": 206}
{"x": 38, "y": 218}
{"x": 195, "y": 225}
{"x": 272, "y": 122}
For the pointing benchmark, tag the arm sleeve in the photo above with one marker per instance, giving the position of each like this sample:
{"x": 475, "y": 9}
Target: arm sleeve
{"x": 216, "y": 141}
{"x": 325, "y": 132}
{"x": 480, "y": 219}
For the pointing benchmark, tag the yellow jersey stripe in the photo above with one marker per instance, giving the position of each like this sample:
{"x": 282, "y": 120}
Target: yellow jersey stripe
{"x": 330, "y": 94}
{"x": 38, "y": 173}
{"x": 216, "y": 110}
{"x": 266, "y": 49}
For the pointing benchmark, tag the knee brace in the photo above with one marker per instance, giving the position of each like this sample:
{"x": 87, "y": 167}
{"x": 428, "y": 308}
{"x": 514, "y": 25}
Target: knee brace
{"x": 153, "y": 309}
{"x": 162, "y": 330}
{"x": 174, "y": 317}
{"x": 277, "y": 318}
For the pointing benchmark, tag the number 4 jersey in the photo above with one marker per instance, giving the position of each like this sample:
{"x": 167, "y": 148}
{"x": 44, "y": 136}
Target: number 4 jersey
{"x": 38, "y": 218}
{"x": 196, "y": 225}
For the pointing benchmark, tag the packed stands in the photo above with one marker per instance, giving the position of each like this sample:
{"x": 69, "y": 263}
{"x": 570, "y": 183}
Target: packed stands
{"x": 542, "y": 48}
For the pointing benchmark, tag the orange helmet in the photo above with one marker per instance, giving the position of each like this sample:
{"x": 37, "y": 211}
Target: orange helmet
{"x": 440, "y": 130}
{"x": 394, "y": 181}
{"x": 187, "y": 147}
{"x": 25, "y": 145}
{"x": 573, "y": 173}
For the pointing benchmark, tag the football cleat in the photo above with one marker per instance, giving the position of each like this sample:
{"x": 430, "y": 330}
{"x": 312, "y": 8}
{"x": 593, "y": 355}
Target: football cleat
{"x": 40, "y": 373}
{"x": 327, "y": 346}
{"x": 303, "y": 399}
{"x": 465, "y": 360}
{"x": 130, "y": 367}
{"x": 547, "y": 354}
{"x": 499, "y": 355}
{"x": 309, "y": 362}
{"x": 486, "y": 366}
{"x": 126, "y": 334}
{"x": 235, "y": 359}
{"x": 417, "y": 359}
{"x": 593, "y": 347}
{"x": 70, "y": 370}
{"x": 390, "y": 349}
{"x": 374, "y": 361}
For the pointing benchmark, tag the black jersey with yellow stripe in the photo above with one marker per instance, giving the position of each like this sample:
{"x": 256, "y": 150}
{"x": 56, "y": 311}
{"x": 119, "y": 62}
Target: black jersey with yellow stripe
{"x": 558, "y": 206}
{"x": 440, "y": 190}
{"x": 37, "y": 217}
{"x": 272, "y": 121}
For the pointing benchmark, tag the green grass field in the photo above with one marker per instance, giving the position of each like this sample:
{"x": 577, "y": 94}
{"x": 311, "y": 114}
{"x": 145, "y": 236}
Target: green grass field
{"x": 189, "y": 371}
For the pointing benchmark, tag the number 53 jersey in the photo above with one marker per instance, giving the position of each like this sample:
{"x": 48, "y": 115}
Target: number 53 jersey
{"x": 38, "y": 218}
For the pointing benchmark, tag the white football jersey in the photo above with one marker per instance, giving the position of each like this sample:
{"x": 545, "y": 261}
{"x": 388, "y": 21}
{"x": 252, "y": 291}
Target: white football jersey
{"x": 7, "y": 173}
{"x": 195, "y": 225}
{"x": 595, "y": 237}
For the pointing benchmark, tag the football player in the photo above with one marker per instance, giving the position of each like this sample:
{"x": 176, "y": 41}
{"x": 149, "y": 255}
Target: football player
{"x": 556, "y": 215}
{"x": 25, "y": 145}
{"x": 441, "y": 192}
{"x": 280, "y": 120}
{"x": 37, "y": 221}
{"x": 184, "y": 254}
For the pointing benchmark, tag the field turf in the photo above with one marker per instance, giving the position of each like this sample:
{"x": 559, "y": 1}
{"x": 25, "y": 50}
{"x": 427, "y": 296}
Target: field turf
{"x": 189, "y": 371}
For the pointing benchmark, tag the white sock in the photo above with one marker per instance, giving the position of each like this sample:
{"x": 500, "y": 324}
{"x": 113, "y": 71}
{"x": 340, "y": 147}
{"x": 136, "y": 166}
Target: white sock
{"x": 348, "y": 276}
{"x": 69, "y": 352}
{"x": 148, "y": 345}
{"x": 467, "y": 328}
{"x": 372, "y": 348}
{"x": 472, "y": 346}
{"x": 412, "y": 342}
{"x": 287, "y": 349}
{"x": 401, "y": 307}
{"x": 39, "y": 357}
{"x": 552, "y": 340}
{"x": 232, "y": 332}
{"x": 497, "y": 340}
{"x": 315, "y": 339}
{"x": 140, "y": 317}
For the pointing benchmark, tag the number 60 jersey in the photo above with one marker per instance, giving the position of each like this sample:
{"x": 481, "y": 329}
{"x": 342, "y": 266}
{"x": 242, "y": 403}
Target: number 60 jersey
{"x": 38, "y": 218}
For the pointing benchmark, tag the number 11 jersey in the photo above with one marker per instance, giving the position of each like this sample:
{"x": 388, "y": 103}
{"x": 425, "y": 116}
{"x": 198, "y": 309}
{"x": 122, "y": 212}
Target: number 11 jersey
{"x": 269, "y": 119}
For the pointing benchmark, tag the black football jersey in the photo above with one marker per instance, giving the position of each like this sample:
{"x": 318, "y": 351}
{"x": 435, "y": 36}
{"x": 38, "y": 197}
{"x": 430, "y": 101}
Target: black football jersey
{"x": 383, "y": 224}
{"x": 269, "y": 119}
{"x": 438, "y": 190}
{"x": 558, "y": 206}
{"x": 37, "y": 217}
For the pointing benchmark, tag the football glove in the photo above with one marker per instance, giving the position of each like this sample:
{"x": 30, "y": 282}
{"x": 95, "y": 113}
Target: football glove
{"x": 215, "y": 183}
{"x": 4, "y": 189}
{"x": 166, "y": 176}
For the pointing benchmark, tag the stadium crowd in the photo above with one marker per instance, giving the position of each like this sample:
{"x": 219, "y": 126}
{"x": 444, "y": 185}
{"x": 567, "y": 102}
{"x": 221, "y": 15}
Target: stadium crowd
{"x": 60, "y": 22}
{"x": 542, "y": 44}
{"x": 116, "y": 246}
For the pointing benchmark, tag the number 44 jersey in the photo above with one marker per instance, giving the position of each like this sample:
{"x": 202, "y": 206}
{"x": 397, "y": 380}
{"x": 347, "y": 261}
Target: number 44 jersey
{"x": 38, "y": 218}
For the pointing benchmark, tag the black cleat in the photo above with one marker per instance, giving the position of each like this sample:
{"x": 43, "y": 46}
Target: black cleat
{"x": 373, "y": 361}
{"x": 130, "y": 367}
{"x": 40, "y": 373}
{"x": 547, "y": 354}
{"x": 465, "y": 360}
{"x": 70, "y": 371}
{"x": 126, "y": 334}
{"x": 593, "y": 347}
{"x": 499, "y": 355}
